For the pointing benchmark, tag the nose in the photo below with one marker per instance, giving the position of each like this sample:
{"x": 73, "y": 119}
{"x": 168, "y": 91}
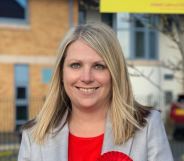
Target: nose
{"x": 87, "y": 75}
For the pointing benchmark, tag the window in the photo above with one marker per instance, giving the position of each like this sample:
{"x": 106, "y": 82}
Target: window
{"x": 82, "y": 13}
{"x": 168, "y": 97}
{"x": 21, "y": 112}
{"x": 13, "y": 11}
{"x": 107, "y": 18}
{"x": 21, "y": 74}
{"x": 21, "y": 92}
{"x": 168, "y": 76}
{"x": 46, "y": 75}
{"x": 89, "y": 12}
{"x": 82, "y": 17}
{"x": 144, "y": 36}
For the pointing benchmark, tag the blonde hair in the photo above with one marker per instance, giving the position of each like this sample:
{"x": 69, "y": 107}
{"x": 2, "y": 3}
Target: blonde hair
{"x": 125, "y": 117}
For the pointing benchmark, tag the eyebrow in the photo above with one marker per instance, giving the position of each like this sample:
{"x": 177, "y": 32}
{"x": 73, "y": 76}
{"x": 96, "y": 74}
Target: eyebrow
{"x": 78, "y": 60}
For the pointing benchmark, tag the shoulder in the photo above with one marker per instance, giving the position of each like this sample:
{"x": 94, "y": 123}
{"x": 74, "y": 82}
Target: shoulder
{"x": 153, "y": 127}
{"x": 154, "y": 121}
{"x": 157, "y": 142}
{"x": 27, "y": 137}
{"x": 154, "y": 117}
{"x": 154, "y": 114}
{"x": 25, "y": 146}
{"x": 155, "y": 130}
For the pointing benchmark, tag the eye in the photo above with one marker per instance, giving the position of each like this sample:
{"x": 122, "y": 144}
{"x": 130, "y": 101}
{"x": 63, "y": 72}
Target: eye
{"x": 99, "y": 66}
{"x": 75, "y": 65}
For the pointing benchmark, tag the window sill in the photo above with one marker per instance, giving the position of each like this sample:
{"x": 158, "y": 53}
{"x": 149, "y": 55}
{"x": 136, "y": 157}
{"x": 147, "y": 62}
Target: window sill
{"x": 144, "y": 62}
{"x": 14, "y": 26}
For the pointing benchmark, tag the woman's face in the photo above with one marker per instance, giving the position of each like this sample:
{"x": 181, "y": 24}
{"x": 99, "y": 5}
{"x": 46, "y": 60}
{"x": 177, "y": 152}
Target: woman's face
{"x": 86, "y": 78}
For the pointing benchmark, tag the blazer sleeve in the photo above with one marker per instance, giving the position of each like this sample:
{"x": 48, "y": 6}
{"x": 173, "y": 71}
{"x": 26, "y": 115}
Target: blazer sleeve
{"x": 157, "y": 142}
{"x": 25, "y": 148}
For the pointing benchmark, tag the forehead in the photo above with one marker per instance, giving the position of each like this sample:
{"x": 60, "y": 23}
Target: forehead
{"x": 80, "y": 50}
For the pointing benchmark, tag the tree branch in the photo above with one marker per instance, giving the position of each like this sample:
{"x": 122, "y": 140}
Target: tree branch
{"x": 147, "y": 77}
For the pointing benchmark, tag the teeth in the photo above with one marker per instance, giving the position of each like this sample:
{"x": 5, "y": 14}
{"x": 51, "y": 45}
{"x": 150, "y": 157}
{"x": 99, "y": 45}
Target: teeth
{"x": 87, "y": 90}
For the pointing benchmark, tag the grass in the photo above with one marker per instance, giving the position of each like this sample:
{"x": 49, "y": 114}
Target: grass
{"x": 8, "y": 155}
{"x": 9, "y": 146}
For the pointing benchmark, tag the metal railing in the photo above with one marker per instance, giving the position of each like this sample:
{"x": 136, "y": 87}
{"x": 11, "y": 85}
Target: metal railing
{"x": 9, "y": 146}
{"x": 10, "y": 139}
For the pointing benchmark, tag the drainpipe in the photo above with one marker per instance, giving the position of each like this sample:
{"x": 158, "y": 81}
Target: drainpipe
{"x": 71, "y": 13}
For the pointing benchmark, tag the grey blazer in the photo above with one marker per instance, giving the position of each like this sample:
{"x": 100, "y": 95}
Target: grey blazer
{"x": 148, "y": 144}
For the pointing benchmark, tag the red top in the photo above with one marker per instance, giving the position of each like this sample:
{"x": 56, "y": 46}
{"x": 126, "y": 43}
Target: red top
{"x": 84, "y": 149}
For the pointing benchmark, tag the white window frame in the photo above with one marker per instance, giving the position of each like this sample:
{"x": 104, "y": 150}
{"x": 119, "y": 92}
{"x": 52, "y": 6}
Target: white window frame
{"x": 8, "y": 21}
{"x": 146, "y": 34}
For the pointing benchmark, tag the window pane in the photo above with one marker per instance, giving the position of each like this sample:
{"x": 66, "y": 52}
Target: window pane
{"x": 139, "y": 45}
{"x": 46, "y": 75}
{"x": 107, "y": 18}
{"x": 168, "y": 76}
{"x": 138, "y": 23}
{"x": 21, "y": 74}
{"x": 153, "y": 20}
{"x": 21, "y": 112}
{"x": 21, "y": 93}
{"x": 168, "y": 97}
{"x": 13, "y": 9}
{"x": 145, "y": 37}
{"x": 152, "y": 45}
{"x": 82, "y": 17}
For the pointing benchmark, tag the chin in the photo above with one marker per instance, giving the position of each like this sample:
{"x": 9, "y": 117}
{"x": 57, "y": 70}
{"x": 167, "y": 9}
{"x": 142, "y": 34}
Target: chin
{"x": 87, "y": 105}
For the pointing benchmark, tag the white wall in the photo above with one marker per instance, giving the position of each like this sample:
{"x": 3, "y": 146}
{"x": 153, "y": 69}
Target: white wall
{"x": 169, "y": 52}
{"x": 144, "y": 91}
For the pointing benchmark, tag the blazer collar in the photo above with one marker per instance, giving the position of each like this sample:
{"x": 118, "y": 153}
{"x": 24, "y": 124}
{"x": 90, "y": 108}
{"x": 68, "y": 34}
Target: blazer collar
{"x": 56, "y": 147}
{"x": 108, "y": 143}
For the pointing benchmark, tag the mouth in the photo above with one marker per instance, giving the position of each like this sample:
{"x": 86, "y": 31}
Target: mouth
{"x": 87, "y": 90}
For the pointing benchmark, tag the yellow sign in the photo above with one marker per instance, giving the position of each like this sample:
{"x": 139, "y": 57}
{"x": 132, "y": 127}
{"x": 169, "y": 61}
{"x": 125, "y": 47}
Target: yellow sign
{"x": 142, "y": 6}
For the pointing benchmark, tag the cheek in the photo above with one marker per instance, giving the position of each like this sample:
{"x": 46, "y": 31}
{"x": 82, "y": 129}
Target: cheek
{"x": 104, "y": 79}
{"x": 108, "y": 82}
{"x": 66, "y": 80}
{"x": 68, "y": 76}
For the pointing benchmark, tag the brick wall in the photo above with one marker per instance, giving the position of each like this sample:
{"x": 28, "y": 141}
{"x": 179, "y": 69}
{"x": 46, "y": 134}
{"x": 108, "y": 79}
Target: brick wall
{"x": 48, "y": 23}
{"x": 7, "y": 116}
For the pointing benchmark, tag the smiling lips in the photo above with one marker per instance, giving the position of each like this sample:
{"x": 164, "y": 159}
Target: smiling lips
{"x": 87, "y": 90}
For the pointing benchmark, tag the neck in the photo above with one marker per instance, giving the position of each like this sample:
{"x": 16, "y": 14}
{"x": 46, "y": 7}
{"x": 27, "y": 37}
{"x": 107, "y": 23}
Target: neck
{"x": 87, "y": 123}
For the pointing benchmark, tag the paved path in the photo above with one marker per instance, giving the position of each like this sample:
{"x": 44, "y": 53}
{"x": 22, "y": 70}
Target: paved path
{"x": 9, "y": 147}
{"x": 177, "y": 148}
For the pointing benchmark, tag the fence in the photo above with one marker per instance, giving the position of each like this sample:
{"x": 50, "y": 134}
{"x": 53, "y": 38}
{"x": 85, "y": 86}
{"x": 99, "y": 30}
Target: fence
{"x": 9, "y": 136}
{"x": 9, "y": 146}
{"x": 10, "y": 139}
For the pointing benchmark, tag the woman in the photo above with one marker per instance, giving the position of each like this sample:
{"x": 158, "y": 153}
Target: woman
{"x": 90, "y": 109}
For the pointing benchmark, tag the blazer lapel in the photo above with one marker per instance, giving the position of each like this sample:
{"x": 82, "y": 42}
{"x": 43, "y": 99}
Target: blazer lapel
{"x": 56, "y": 148}
{"x": 56, "y": 145}
{"x": 108, "y": 143}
